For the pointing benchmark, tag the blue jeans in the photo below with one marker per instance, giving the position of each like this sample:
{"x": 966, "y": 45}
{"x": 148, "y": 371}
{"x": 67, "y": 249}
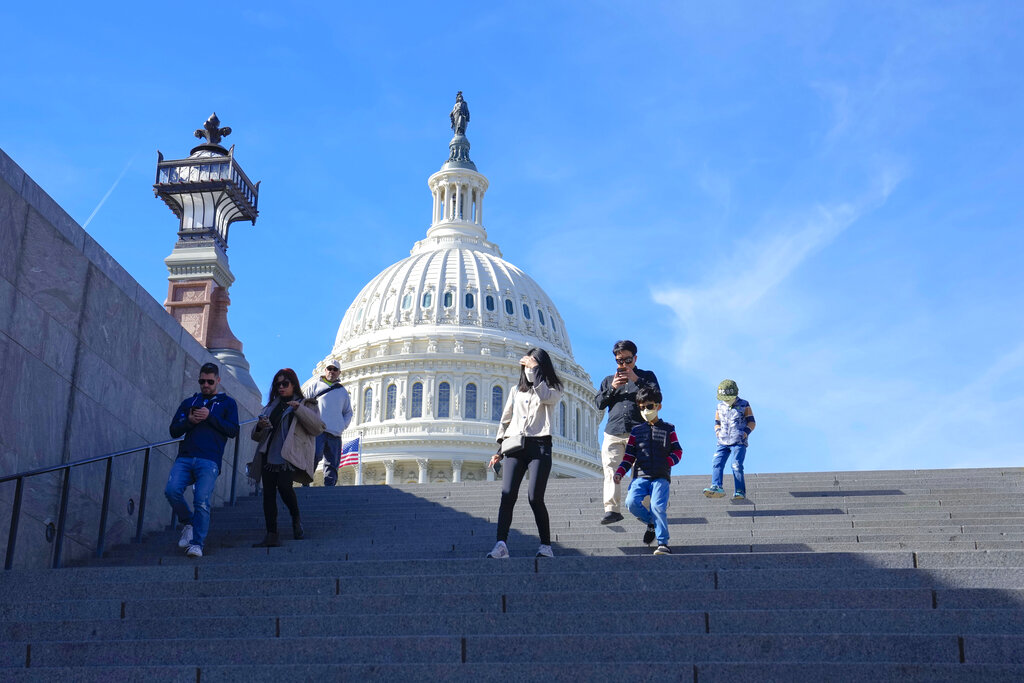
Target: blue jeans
{"x": 657, "y": 489}
{"x": 328, "y": 447}
{"x": 203, "y": 474}
{"x": 739, "y": 453}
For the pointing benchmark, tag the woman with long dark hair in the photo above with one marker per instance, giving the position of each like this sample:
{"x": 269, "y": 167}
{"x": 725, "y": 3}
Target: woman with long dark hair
{"x": 287, "y": 431}
{"x": 524, "y": 436}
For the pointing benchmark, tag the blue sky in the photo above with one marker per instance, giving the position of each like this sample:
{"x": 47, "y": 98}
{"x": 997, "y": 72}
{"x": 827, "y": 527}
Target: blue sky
{"x": 819, "y": 200}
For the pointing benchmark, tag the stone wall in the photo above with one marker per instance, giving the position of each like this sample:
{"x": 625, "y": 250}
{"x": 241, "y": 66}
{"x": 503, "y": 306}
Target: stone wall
{"x": 90, "y": 364}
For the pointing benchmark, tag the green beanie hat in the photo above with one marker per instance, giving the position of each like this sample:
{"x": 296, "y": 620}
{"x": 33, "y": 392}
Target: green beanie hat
{"x": 728, "y": 392}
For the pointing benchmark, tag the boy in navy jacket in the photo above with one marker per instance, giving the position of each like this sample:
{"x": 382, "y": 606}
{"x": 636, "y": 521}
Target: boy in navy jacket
{"x": 652, "y": 450}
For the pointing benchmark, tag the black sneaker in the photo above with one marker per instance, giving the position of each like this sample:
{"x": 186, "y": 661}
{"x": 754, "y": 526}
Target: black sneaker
{"x": 662, "y": 550}
{"x": 611, "y": 518}
{"x": 649, "y": 535}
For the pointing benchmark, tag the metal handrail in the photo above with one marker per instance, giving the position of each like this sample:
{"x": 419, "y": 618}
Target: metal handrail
{"x": 66, "y": 487}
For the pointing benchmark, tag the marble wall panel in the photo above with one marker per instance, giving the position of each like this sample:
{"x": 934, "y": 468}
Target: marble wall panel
{"x": 111, "y": 268}
{"x": 52, "y": 271}
{"x": 33, "y": 329}
{"x": 156, "y": 365}
{"x": 95, "y": 429}
{"x": 53, "y": 214}
{"x": 110, "y": 323}
{"x": 35, "y": 407}
{"x": 156, "y": 312}
{"x": 7, "y": 296}
{"x": 13, "y": 217}
{"x": 11, "y": 173}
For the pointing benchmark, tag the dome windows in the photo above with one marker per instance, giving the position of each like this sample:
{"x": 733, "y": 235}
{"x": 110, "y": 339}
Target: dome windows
{"x": 526, "y": 311}
{"x": 417, "y": 400}
{"x": 540, "y": 316}
{"x": 367, "y": 405}
{"x": 444, "y": 397}
{"x": 510, "y": 307}
{"x": 470, "y": 413}
{"x": 407, "y": 301}
{"x": 489, "y": 302}
{"x": 470, "y": 301}
{"x": 448, "y": 299}
{"x": 428, "y": 299}
{"x": 497, "y": 403}
{"x": 392, "y": 396}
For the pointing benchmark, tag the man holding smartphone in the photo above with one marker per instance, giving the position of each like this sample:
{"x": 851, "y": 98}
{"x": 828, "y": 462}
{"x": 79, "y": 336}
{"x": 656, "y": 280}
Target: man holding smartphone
{"x": 618, "y": 396}
{"x": 207, "y": 420}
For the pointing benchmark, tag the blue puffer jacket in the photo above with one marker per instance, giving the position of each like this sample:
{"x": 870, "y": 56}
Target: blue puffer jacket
{"x": 208, "y": 438}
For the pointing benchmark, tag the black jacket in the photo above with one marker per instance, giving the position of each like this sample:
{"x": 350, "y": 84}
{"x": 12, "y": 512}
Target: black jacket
{"x": 623, "y": 414}
{"x": 652, "y": 450}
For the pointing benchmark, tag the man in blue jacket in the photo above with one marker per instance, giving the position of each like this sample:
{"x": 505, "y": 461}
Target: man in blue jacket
{"x": 207, "y": 419}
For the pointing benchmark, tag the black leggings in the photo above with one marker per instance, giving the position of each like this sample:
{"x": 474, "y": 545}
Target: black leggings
{"x": 275, "y": 482}
{"x": 536, "y": 457}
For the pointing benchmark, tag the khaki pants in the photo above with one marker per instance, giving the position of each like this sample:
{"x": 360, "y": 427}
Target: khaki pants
{"x": 612, "y": 449}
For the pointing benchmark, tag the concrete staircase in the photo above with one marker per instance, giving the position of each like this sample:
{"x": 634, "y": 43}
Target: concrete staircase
{"x": 820, "y": 576}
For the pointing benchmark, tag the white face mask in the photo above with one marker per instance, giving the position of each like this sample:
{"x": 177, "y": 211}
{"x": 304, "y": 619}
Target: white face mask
{"x": 650, "y": 414}
{"x": 531, "y": 374}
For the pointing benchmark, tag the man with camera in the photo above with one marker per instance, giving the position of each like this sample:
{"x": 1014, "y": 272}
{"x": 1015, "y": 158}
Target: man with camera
{"x": 336, "y": 412}
{"x": 207, "y": 419}
{"x": 618, "y": 396}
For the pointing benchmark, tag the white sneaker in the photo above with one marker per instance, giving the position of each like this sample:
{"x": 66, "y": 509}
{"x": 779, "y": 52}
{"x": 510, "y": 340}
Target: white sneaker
{"x": 194, "y": 551}
{"x": 499, "y": 552}
{"x": 186, "y": 536}
{"x": 544, "y": 551}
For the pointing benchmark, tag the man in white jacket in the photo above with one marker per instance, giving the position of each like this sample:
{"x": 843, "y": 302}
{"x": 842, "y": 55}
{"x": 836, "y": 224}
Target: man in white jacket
{"x": 336, "y": 412}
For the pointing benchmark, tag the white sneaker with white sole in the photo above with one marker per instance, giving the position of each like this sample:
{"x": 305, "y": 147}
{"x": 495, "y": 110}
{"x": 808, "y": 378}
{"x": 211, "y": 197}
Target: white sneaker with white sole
{"x": 186, "y": 536}
{"x": 194, "y": 550}
{"x": 545, "y": 551}
{"x": 499, "y": 552}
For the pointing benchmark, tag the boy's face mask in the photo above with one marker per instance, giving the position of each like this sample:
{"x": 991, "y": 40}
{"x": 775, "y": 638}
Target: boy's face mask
{"x": 649, "y": 413}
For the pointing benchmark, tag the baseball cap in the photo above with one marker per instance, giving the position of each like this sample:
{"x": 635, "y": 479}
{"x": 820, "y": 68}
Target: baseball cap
{"x": 728, "y": 392}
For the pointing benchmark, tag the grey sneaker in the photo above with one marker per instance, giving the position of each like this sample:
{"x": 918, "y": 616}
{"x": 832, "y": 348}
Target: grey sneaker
{"x": 611, "y": 517}
{"x": 739, "y": 495}
{"x": 714, "y": 492}
{"x": 186, "y": 536}
{"x": 194, "y": 550}
{"x": 662, "y": 550}
{"x": 544, "y": 551}
{"x": 499, "y": 551}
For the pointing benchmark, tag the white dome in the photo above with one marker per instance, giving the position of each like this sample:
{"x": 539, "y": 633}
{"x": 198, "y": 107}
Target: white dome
{"x": 430, "y": 347}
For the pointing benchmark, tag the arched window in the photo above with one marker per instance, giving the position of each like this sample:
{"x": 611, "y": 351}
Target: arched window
{"x": 417, "y": 400}
{"x": 497, "y": 403}
{"x": 470, "y": 412}
{"x": 407, "y": 301}
{"x": 469, "y": 300}
{"x": 447, "y": 299}
{"x": 444, "y": 395}
{"x": 489, "y": 302}
{"x": 561, "y": 419}
{"x": 553, "y": 328}
{"x": 526, "y": 311}
{"x": 509, "y": 308}
{"x": 577, "y": 424}
{"x": 427, "y": 299}
{"x": 540, "y": 316}
{"x": 359, "y": 315}
{"x": 392, "y": 397}
{"x": 367, "y": 405}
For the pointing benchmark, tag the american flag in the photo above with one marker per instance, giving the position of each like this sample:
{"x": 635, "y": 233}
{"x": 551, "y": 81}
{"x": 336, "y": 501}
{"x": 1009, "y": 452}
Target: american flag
{"x": 350, "y": 453}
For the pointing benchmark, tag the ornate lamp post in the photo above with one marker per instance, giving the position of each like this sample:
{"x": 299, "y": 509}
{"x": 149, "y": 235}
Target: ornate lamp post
{"x": 208, "y": 192}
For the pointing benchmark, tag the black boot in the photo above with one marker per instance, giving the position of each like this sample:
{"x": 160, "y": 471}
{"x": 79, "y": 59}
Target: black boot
{"x": 297, "y": 532}
{"x": 269, "y": 541}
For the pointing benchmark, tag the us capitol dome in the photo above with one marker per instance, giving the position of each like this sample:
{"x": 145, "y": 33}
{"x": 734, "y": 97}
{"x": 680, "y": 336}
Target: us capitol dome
{"x": 430, "y": 348}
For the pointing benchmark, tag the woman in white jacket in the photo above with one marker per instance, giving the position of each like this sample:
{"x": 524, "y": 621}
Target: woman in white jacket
{"x": 525, "y": 444}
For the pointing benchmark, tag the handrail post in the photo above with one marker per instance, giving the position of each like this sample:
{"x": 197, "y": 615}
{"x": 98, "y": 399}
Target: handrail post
{"x": 58, "y": 545}
{"x": 15, "y": 516}
{"x": 102, "y": 538}
{"x": 234, "y": 468}
{"x": 142, "y": 496}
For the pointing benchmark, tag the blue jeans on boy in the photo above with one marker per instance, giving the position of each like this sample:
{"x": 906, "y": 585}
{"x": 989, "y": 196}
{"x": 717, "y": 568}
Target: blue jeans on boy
{"x": 203, "y": 474}
{"x": 657, "y": 489}
{"x": 739, "y": 453}
{"x": 328, "y": 447}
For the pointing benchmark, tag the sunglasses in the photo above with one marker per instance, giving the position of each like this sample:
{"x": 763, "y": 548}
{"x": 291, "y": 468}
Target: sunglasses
{"x": 648, "y": 406}
{"x": 208, "y": 381}
{"x": 333, "y": 370}
{"x": 624, "y": 361}
{"x": 283, "y": 383}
